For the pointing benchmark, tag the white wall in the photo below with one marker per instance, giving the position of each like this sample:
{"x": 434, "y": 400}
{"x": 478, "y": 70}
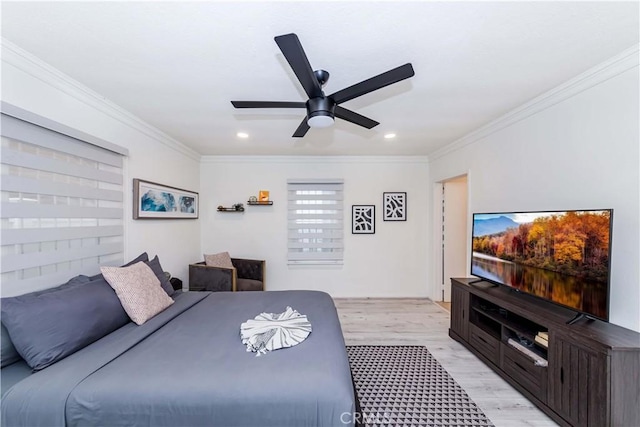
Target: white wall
{"x": 389, "y": 263}
{"x": 580, "y": 153}
{"x": 32, "y": 85}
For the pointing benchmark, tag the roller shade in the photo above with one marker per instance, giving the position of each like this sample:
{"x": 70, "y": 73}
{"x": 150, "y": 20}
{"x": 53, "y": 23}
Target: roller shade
{"x": 62, "y": 207}
{"x": 315, "y": 221}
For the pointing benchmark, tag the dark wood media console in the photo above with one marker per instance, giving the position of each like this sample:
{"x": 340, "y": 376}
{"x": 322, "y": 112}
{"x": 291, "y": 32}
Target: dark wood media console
{"x": 587, "y": 374}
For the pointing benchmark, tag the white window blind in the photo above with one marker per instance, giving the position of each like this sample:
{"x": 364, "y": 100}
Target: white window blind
{"x": 62, "y": 207}
{"x": 315, "y": 221}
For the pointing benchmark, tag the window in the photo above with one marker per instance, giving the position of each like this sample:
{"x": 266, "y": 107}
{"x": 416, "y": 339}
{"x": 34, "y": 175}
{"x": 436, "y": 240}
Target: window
{"x": 315, "y": 222}
{"x": 62, "y": 207}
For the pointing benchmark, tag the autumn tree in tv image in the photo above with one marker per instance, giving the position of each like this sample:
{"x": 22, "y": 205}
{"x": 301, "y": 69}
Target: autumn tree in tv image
{"x": 560, "y": 256}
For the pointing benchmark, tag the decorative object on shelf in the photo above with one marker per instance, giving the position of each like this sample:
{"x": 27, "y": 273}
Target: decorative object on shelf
{"x": 395, "y": 206}
{"x": 363, "y": 219}
{"x": 157, "y": 201}
{"x": 263, "y": 196}
{"x": 253, "y": 199}
{"x": 238, "y": 207}
{"x": 542, "y": 339}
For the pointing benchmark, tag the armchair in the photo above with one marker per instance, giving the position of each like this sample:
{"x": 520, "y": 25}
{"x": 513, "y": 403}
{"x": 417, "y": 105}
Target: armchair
{"x": 246, "y": 275}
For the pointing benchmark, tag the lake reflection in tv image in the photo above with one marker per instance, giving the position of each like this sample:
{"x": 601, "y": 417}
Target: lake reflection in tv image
{"x": 560, "y": 256}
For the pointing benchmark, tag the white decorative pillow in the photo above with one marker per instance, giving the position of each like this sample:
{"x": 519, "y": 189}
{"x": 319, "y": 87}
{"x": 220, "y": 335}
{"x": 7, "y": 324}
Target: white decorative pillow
{"x": 138, "y": 289}
{"x": 218, "y": 260}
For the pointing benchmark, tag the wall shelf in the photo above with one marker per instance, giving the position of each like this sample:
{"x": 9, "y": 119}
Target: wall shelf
{"x": 267, "y": 203}
{"x": 223, "y": 209}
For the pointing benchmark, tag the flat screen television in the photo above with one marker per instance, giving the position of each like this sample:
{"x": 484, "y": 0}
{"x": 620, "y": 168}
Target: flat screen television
{"x": 562, "y": 256}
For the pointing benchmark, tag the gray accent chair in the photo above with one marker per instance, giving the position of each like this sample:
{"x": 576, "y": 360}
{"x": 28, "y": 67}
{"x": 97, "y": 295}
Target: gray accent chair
{"x": 247, "y": 275}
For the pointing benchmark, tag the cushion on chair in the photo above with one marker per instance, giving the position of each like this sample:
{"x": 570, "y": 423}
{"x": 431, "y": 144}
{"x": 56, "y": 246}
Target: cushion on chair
{"x": 223, "y": 259}
{"x": 248, "y": 285}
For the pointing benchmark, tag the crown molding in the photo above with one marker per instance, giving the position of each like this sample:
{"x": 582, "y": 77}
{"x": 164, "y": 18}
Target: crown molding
{"x": 314, "y": 159}
{"x": 612, "y": 67}
{"x": 35, "y": 67}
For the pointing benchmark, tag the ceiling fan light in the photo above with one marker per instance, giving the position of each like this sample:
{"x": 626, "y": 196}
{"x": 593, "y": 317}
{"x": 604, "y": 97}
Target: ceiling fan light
{"x": 320, "y": 120}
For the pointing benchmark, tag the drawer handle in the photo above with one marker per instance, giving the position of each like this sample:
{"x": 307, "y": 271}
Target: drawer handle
{"x": 520, "y": 366}
{"x": 482, "y": 339}
{"x": 561, "y": 375}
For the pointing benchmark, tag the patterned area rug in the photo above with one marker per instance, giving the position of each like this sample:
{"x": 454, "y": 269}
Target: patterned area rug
{"x": 406, "y": 386}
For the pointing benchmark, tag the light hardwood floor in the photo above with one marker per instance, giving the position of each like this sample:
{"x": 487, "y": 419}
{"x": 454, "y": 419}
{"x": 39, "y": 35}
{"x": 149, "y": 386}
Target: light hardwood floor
{"x": 403, "y": 321}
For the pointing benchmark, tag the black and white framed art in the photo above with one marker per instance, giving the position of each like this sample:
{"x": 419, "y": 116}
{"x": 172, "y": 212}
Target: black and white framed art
{"x": 395, "y": 206}
{"x": 363, "y": 219}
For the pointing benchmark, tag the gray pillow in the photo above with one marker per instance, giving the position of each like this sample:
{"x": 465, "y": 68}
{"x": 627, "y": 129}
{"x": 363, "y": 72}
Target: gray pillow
{"x": 155, "y": 266}
{"x": 47, "y": 327}
{"x": 144, "y": 257}
{"x": 72, "y": 283}
{"x": 9, "y": 354}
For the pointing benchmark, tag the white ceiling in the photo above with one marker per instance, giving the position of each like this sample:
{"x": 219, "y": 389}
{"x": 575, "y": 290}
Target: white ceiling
{"x": 177, "y": 65}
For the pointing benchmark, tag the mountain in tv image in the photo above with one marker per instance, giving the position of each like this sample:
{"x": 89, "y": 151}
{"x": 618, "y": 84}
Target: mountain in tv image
{"x": 485, "y": 227}
{"x": 560, "y": 256}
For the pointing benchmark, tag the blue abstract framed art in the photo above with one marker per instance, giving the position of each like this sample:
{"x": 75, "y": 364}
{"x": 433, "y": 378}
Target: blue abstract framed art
{"x": 157, "y": 201}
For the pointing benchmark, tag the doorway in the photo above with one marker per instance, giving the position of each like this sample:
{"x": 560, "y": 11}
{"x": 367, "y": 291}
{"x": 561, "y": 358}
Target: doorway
{"x": 451, "y": 214}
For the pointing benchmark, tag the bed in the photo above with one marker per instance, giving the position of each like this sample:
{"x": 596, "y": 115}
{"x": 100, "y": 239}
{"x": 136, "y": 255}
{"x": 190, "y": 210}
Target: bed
{"x": 187, "y": 366}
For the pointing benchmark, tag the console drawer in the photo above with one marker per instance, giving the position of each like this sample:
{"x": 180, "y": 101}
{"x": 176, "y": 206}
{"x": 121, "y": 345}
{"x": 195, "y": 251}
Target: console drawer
{"x": 485, "y": 343}
{"x": 523, "y": 370}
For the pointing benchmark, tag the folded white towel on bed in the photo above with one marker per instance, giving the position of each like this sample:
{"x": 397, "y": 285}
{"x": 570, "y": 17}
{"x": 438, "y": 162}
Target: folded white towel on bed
{"x": 269, "y": 331}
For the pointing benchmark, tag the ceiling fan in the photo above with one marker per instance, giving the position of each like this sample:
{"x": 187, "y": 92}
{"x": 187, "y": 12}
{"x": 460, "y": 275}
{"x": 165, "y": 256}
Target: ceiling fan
{"x": 321, "y": 108}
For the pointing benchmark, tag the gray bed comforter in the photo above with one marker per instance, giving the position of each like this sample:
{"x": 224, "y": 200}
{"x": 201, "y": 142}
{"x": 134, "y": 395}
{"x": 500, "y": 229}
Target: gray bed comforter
{"x": 188, "y": 367}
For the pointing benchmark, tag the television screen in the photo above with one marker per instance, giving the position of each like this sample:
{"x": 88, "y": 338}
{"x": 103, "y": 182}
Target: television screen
{"x": 562, "y": 256}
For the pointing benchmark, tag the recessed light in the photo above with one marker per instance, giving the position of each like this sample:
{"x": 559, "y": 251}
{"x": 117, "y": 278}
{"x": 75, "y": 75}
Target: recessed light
{"x": 389, "y": 135}
{"x": 242, "y": 135}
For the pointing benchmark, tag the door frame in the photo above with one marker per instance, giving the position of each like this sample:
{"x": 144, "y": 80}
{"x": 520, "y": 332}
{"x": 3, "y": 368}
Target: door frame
{"x": 437, "y": 232}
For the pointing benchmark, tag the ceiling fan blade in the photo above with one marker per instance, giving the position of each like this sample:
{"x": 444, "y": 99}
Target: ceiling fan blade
{"x": 302, "y": 129}
{"x": 268, "y": 104}
{"x": 354, "y": 117}
{"x": 374, "y": 83}
{"x": 292, "y": 50}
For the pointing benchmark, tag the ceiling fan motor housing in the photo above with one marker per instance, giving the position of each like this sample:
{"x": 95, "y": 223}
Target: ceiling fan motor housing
{"x": 320, "y": 112}
{"x": 321, "y": 106}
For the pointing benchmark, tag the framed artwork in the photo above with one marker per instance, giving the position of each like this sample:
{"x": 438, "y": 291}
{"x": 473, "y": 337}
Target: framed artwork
{"x": 363, "y": 219}
{"x": 395, "y": 206}
{"x": 157, "y": 201}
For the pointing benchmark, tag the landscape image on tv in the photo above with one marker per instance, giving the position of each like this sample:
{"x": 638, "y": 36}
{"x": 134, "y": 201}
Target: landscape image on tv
{"x": 559, "y": 256}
